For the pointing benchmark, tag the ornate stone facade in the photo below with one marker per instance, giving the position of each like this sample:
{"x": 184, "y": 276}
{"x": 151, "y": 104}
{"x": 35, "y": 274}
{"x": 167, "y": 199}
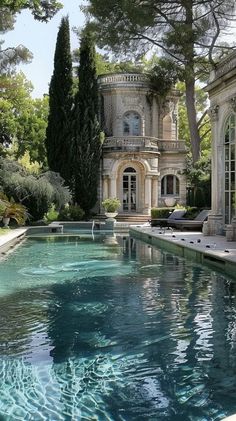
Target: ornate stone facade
{"x": 143, "y": 161}
{"x": 222, "y": 94}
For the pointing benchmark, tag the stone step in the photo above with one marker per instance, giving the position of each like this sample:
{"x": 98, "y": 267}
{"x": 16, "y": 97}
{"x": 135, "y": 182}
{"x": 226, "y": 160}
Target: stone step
{"x": 130, "y": 218}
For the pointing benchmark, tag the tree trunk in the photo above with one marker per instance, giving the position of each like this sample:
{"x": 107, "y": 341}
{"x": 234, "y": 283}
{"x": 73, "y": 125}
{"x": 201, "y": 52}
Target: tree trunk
{"x": 192, "y": 118}
{"x": 190, "y": 80}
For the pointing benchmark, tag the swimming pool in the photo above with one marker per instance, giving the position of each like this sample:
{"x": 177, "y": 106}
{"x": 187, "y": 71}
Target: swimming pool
{"x": 109, "y": 328}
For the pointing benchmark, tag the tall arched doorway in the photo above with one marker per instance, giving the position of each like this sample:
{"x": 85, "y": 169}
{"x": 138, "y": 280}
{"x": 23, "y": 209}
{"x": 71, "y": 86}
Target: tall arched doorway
{"x": 129, "y": 189}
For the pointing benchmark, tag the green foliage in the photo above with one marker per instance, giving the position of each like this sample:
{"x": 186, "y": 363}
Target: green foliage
{"x": 161, "y": 212}
{"x": 33, "y": 123}
{"x": 104, "y": 64}
{"x": 35, "y": 192}
{"x": 87, "y": 130}
{"x": 41, "y": 10}
{"x": 23, "y": 120}
{"x": 71, "y": 213}
{"x": 163, "y": 76}
{"x": 157, "y": 213}
{"x": 10, "y": 56}
{"x": 2, "y": 208}
{"x": 51, "y": 215}
{"x": 111, "y": 204}
{"x": 12, "y": 210}
{"x": 199, "y": 182}
{"x": 31, "y": 167}
{"x": 58, "y": 133}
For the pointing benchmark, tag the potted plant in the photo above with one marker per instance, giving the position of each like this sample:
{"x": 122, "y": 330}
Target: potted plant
{"x": 111, "y": 206}
{"x": 13, "y": 210}
{"x": 2, "y": 209}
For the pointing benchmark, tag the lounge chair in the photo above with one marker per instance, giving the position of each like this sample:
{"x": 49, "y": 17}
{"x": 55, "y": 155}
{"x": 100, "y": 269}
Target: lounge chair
{"x": 193, "y": 224}
{"x": 164, "y": 222}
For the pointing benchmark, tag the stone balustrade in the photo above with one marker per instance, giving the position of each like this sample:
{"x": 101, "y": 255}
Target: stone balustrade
{"x": 171, "y": 145}
{"x": 140, "y": 143}
{"x": 123, "y": 78}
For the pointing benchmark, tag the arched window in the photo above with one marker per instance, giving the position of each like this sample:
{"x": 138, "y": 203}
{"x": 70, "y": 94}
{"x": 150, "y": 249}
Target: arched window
{"x": 131, "y": 124}
{"x": 229, "y": 160}
{"x": 169, "y": 185}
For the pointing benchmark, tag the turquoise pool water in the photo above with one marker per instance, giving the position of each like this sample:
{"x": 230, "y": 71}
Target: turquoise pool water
{"x": 110, "y": 328}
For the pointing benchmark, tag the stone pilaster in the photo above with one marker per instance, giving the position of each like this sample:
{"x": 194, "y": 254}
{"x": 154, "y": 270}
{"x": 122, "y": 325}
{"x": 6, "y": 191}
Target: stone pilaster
{"x": 148, "y": 191}
{"x": 154, "y": 192}
{"x": 113, "y": 192}
{"x": 215, "y": 224}
{"x": 105, "y": 187}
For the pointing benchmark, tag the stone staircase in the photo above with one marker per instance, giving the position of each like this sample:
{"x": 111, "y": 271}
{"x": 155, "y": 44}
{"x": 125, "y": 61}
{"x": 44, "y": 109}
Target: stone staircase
{"x": 132, "y": 218}
{"x": 127, "y": 219}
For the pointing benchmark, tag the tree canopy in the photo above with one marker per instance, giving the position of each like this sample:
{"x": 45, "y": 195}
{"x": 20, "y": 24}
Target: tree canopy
{"x": 23, "y": 120}
{"x": 10, "y": 56}
{"x": 58, "y": 133}
{"x": 42, "y": 10}
{"x": 87, "y": 132}
{"x": 187, "y": 31}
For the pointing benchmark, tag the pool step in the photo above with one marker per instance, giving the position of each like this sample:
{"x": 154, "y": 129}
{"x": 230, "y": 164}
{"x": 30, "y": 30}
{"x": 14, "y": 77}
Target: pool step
{"x": 127, "y": 218}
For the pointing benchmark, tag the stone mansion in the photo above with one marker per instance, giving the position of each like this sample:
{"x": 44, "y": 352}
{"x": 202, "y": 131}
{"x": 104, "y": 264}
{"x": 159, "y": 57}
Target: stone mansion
{"x": 143, "y": 161}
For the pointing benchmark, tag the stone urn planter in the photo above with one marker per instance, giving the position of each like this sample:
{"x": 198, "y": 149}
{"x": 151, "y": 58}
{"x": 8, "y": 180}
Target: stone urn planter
{"x": 5, "y": 222}
{"x": 111, "y": 206}
{"x": 170, "y": 201}
{"x": 111, "y": 215}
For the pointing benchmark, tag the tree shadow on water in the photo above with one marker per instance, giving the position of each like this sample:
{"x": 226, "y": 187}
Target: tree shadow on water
{"x": 77, "y": 316}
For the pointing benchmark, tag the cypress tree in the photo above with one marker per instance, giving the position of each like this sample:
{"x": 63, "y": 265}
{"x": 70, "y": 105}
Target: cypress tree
{"x": 87, "y": 130}
{"x": 58, "y": 134}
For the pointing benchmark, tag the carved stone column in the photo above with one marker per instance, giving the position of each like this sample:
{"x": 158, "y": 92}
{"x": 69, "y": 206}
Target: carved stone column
{"x": 112, "y": 190}
{"x": 105, "y": 187}
{"x": 215, "y": 222}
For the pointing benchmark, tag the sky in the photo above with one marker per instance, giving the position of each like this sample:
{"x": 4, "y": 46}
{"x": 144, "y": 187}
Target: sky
{"x": 40, "y": 39}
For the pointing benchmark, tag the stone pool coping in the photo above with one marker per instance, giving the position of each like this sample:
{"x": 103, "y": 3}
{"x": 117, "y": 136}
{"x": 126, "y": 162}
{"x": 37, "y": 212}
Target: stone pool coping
{"x": 10, "y": 239}
{"x": 211, "y": 250}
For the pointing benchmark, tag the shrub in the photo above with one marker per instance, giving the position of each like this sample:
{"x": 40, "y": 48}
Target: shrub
{"x": 71, "y": 213}
{"x": 191, "y": 212}
{"x": 51, "y": 215}
{"x": 36, "y": 192}
{"x": 161, "y": 212}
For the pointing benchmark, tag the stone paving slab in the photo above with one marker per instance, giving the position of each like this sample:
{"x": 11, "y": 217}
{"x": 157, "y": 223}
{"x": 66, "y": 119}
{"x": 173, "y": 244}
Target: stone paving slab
{"x": 213, "y": 251}
{"x": 10, "y": 238}
{"x": 215, "y": 246}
